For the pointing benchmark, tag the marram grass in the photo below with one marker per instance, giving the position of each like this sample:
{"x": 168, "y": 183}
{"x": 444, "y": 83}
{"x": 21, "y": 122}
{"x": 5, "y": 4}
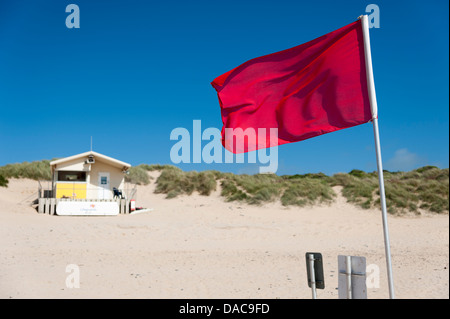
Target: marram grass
{"x": 426, "y": 188}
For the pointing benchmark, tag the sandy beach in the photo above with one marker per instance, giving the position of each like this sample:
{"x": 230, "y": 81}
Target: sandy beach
{"x": 203, "y": 247}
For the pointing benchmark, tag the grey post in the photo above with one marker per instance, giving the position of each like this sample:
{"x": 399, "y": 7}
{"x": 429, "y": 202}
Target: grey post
{"x": 313, "y": 277}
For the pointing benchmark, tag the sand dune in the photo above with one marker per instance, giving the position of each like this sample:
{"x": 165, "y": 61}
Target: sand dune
{"x": 202, "y": 247}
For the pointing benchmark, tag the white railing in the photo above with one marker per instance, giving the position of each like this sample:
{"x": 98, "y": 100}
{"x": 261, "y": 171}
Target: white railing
{"x": 45, "y": 190}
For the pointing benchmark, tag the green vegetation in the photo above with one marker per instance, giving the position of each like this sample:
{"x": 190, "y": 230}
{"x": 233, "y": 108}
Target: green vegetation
{"x": 299, "y": 190}
{"x": 3, "y": 181}
{"x": 253, "y": 189}
{"x": 307, "y": 191}
{"x": 358, "y": 188}
{"x": 173, "y": 182}
{"x": 38, "y": 170}
{"x": 426, "y": 188}
{"x": 139, "y": 174}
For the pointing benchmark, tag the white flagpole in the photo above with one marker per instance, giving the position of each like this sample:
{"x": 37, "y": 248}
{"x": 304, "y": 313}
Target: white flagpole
{"x": 374, "y": 109}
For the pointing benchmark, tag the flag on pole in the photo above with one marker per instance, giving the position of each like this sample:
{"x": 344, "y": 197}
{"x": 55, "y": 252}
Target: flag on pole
{"x": 312, "y": 89}
{"x": 309, "y": 90}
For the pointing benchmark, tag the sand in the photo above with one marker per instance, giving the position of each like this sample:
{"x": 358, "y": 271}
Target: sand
{"x": 202, "y": 247}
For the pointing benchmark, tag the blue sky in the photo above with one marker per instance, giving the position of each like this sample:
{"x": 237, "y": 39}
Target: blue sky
{"x": 136, "y": 70}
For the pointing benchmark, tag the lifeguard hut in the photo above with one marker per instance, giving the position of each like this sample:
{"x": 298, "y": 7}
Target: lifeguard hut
{"x": 89, "y": 183}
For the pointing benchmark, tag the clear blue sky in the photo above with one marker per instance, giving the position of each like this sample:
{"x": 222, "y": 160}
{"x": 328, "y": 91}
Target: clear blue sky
{"x": 135, "y": 70}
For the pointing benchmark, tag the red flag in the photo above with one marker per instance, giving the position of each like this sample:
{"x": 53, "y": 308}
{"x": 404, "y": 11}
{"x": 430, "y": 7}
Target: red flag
{"x": 309, "y": 90}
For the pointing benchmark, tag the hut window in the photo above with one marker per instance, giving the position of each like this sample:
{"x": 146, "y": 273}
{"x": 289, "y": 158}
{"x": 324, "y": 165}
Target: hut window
{"x": 71, "y": 176}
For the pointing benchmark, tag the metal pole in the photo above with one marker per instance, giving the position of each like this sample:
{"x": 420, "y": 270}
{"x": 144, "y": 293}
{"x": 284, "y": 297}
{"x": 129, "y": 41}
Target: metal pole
{"x": 383, "y": 209}
{"x": 373, "y": 106}
{"x": 348, "y": 273}
{"x": 313, "y": 277}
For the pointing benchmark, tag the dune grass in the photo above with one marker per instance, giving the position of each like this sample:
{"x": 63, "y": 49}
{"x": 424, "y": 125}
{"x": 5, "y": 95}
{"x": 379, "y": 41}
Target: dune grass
{"x": 37, "y": 170}
{"x": 256, "y": 189}
{"x": 137, "y": 175}
{"x": 3, "y": 181}
{"x": 173, "y": 182}
{"x": 423, "y": 189}
{"x": 307, "y": 191}
{"x": 426, "y": 188}
{"x": 253, "y": 189}
{"x": 299, "y": 190}
{"x": 357, "y": 188}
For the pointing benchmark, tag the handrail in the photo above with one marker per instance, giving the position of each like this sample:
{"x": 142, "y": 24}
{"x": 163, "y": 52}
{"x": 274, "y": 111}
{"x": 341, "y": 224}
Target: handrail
{"x": 39, "y": 189}
{"x": 45, "y": 190}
